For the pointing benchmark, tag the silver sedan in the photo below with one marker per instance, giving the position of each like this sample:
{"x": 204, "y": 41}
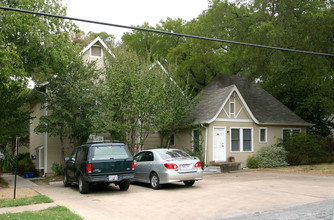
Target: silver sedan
{"x": 159, "y": 166}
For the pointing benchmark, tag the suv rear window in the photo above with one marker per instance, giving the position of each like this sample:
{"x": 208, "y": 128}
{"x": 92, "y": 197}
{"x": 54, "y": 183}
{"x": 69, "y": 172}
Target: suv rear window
{"x": 171, "y": 154}
{"x": 109, "y": 152}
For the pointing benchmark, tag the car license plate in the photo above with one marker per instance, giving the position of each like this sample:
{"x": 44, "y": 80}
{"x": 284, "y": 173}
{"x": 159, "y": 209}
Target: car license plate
{"x": 113, "y": 178}
{"x": 185, "y": 166}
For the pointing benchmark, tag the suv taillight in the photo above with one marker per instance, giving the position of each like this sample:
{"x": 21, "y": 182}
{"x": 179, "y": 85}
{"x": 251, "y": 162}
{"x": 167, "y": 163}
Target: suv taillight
{"x": 132, "y": 165}
{"x": 88, "y": 168}
{"x": 171, "y": 166}
{"x": 198, "y": 164}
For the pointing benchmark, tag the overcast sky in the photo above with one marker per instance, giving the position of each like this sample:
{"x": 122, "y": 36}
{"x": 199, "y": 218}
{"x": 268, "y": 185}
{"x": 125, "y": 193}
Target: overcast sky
{"x": 131, "y": 12}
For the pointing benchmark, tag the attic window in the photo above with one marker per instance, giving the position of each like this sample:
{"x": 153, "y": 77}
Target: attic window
{"x": 232, "y": 107}
{"x": 96, "y": 51}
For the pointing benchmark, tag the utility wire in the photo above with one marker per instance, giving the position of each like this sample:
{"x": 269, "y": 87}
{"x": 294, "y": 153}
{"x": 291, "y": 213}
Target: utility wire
{"x": 165, "y": 32}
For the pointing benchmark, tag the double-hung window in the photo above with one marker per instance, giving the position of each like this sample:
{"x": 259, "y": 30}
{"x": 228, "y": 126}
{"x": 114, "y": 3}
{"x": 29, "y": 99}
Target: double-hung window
{"x": 241, "y": 139}
{"x": 263, "y": 135}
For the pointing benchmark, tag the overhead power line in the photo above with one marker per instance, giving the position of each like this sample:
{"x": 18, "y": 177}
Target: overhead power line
{"x": 164, "y": 32}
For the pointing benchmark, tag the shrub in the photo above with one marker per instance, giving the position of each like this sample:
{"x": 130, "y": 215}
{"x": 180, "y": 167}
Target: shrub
{"x": 303, "y": 148}
{"x": 26, "y": 165}
{"x": 7, "y": 164}
{"x": 271, "y": 156}
{"x": 252, "y": 163}
{"x": 23, "y": 155}
{"x": 57, "y": 169}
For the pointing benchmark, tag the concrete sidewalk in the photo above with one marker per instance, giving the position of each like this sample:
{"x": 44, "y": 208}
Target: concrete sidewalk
{"x": 29, "y": 208}
{"x": 20, "y": 184}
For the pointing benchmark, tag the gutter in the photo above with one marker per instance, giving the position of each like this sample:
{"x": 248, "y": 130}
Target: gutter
{"x": 206, "y": 144}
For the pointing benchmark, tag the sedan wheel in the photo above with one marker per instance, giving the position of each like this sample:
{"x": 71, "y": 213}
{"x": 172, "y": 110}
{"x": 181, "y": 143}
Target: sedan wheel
{"x": 83, "y": 185}
{"x": 189, "y": 182}
{"x": 155, "y": 182}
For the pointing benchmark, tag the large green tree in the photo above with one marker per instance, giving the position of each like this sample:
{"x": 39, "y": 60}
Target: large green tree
{"x": 14, "y": 114}
{"x": 73, "y": 100}
{"x": 30, "y": 46}
{"x": 143, "y": 98}
{"x": 303, "y": 82}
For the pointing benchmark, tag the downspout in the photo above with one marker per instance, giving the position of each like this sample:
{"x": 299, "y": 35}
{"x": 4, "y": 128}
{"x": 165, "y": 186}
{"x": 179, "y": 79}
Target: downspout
{"x": 206, "y": 144}
{"x": 45, "y": 137}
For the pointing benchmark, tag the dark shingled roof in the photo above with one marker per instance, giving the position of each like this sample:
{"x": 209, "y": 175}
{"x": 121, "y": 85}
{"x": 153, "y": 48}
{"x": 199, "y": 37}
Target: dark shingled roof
{"x": 265, "y": 108}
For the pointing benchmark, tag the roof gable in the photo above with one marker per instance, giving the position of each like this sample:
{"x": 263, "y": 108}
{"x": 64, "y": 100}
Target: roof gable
{"x": 97, "y": 40}
{"x": 234, "y": 89}
{"x": 262, "y": 107}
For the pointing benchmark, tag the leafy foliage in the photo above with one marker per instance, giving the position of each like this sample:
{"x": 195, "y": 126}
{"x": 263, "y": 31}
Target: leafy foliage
{"x": 304, "y": 83}
{"x": 26, "y": 165}
{"x": 32, "y": 46}
{"x": 143, "y": 98}
{"x": 73, "y": 103}
{"x": 252, "y": 163}
{"x": 7, "y": 164}
{"x": 271, "y": 156}
{"x": 57, "y": 169}
{"x": 303, "y": 149}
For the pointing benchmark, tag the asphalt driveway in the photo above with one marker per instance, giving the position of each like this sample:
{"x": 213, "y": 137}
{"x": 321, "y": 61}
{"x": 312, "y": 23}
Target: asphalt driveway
{"x": 216, "y": 197}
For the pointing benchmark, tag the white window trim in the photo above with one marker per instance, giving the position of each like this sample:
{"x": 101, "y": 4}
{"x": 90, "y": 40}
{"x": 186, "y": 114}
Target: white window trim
{"x": 96, "y": 45}
{"x": 291, "y": 130}
{"x": 241, "y": 139}
{"x": 40, "y": 165}
{"x": 266, "y": 136}
{"x": 232, "y": 101}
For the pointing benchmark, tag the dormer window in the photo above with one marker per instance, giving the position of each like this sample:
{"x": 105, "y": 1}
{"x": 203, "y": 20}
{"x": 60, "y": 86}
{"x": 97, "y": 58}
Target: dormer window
{"x": 96, "y": 51}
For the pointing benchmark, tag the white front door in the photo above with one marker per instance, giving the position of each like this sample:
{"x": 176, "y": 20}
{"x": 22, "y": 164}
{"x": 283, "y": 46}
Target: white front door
{"x": 219, "y": 144}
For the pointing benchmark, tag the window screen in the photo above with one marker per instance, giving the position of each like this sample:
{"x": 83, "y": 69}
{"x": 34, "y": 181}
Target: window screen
{"x": 235, "y": 139}
{"x": 263, "y": 135}
{"x": 247, "y": 139}
{"x": 96, "y": 51}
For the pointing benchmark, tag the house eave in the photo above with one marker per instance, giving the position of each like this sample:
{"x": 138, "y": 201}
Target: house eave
{"x": 286, "y": 124}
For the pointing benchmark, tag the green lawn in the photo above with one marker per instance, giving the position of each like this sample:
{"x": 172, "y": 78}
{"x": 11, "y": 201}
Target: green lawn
{"x": 58, "y": 212}
{"x": 24, "y": 201}
{"x": 324, "y": 168}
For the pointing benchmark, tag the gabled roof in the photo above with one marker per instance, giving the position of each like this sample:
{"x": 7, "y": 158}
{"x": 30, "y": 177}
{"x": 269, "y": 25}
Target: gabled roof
{"x": 98, "y": 39}
{"x": 262, "y": 107}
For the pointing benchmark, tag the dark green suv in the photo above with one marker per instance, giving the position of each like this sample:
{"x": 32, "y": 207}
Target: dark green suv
{"x": 100, "y": 163}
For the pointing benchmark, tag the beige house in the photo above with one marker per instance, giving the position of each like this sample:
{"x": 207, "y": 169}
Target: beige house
{"x": 234, "y": 118}
{"x": 45, "y": 148}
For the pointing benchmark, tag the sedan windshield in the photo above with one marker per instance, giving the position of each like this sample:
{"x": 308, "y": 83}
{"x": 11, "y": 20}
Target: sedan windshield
{"x": 172, "y": 154}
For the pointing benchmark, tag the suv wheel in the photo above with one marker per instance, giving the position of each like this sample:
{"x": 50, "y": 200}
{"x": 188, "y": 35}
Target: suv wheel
{"x": 155, "y": 182}
{"x": 83, "y": 185}
{"x": 124, "y": 186}
{"x": 65, "y": 179}
{"x": 189, "y": 182}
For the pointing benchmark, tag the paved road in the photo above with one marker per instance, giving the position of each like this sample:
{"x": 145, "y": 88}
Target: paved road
{"x": 241, "y": 195}
{"x": 314, "y": 211}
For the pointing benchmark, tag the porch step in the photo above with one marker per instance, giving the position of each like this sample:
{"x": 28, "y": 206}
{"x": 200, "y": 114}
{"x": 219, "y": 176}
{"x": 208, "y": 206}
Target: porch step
{"x": 226, "y": 167}
{"x": 212, "y": 170}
